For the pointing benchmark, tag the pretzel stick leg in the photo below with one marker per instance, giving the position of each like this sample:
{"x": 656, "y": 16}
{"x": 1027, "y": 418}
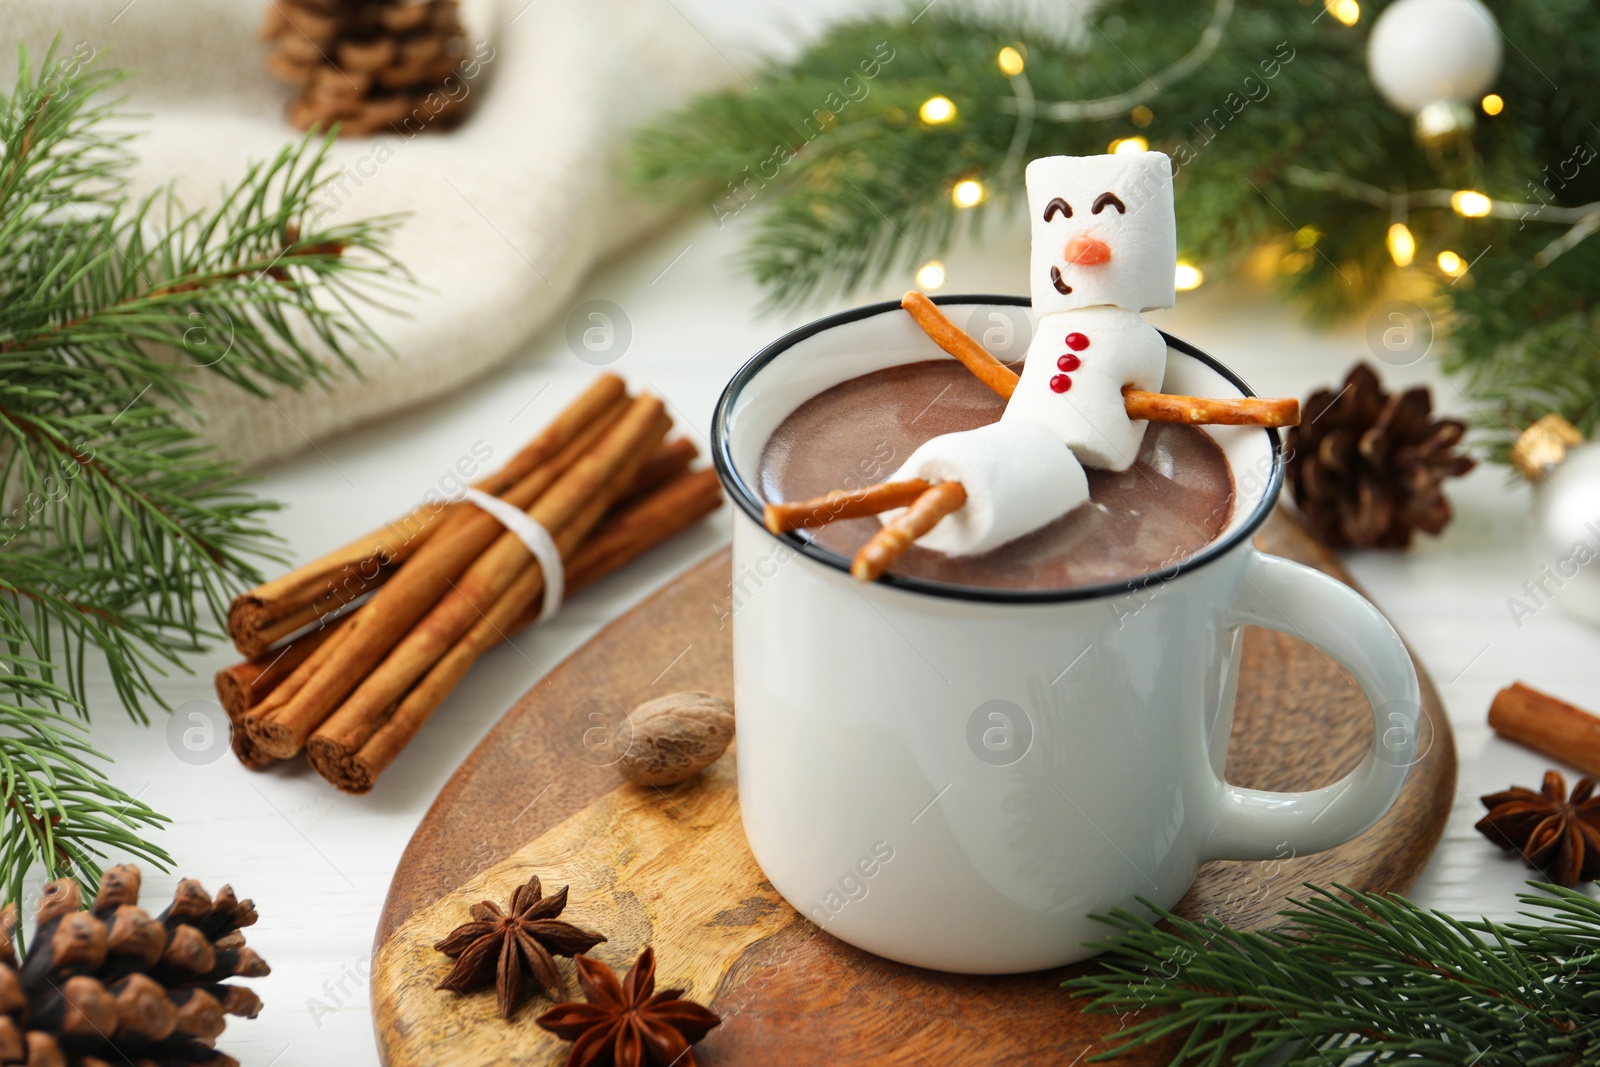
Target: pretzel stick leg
{"x": 1216, "y": 411}
{"x": 956, "y": 341}
{"x": 890, "y": 543}
{"x": 842, "y": 504}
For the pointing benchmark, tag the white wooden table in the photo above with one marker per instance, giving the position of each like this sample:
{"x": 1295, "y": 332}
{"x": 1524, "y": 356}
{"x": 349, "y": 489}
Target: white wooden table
{"x": 318, "y": 863}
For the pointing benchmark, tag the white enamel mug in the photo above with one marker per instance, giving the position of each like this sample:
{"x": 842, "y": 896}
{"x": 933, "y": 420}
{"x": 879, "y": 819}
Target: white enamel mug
{"x": 958, "y": 778}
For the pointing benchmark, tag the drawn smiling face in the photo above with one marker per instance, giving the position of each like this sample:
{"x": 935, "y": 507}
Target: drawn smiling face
{"x": 1103, "y": 232}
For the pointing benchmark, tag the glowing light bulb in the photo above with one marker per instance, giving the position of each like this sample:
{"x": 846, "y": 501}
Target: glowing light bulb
{"x": 1402, "y": 246}
{"x": 1010, "y": 62}
{"x": 1296, "y": 262}
{"x": 1127, "y": 146}
{"x": 1473, "y": 205}
{"x": 1346, "y": 11}
{"x": 930, "y": 275}
{"x": 968, "y": 193}
{"x": 937, "y": 109}
{"x": 1187, "y": 276}
{"x": 1493, "y": 104}
{"x": 1452, "y": 264}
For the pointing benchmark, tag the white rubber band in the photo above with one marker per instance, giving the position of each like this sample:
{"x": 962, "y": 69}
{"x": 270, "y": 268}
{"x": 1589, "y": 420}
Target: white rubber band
{"x": 530, "y": 532}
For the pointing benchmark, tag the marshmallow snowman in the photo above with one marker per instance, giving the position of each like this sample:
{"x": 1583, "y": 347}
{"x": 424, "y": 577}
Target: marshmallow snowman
{"x": 1104, "y": 249}
{"x": 1104, "y": 245}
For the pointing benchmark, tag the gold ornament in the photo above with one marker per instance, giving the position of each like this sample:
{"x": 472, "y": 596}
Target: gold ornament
{"x": 1543, "y": 445}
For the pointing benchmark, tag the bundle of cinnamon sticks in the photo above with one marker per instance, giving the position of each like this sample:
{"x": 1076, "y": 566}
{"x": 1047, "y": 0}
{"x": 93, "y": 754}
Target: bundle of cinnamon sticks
{"x": 349, "y": 686}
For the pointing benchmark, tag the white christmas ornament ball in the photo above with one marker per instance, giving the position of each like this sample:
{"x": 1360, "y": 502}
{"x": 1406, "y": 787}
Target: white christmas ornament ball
{"x": 1566, "y": 541}
{"x": 1422, "y": 51}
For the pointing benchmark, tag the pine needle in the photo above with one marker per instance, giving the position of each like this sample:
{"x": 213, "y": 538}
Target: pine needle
{"x": 122, "y": 538}
{"x": 843, "y": 184}
{"x": 1358, "y": 978}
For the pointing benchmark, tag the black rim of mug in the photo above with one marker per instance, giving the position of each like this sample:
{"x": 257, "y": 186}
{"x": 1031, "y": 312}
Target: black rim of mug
{"x": 745, "y": 497}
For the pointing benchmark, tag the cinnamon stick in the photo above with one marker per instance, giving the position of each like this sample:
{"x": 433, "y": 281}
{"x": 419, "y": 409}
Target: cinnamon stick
{"x": 244, "y": 685}
{"x": 388, "y": 615}
{"x": 497, "y": 589}
{"x": 890, "y": 543}
{"x": 384, "y": 654}
{"x": 246, "y": 751}
{"x": 1523, "y": 714}
{"x": 260, "y": 617}
{"x": 1217, "y": 411}
{"x": 334, "y": 744}
{"x": 352, "y": 583}
{"x": 669, "y": 460}
{"x": 663, "y": 465}
{"x": 956, "y": 341}
{"x": 627, "y": 534}
{"x": 653, "y": 519}
{"x": 271, "y": 611}
{"x": 260, "y": 722}
{"x": 248, "y": 727}
{"x": 842, "y": 504}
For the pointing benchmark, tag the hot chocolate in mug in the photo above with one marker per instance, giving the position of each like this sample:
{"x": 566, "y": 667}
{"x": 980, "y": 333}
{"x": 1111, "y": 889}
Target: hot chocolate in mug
{"x": 958, "y": 778}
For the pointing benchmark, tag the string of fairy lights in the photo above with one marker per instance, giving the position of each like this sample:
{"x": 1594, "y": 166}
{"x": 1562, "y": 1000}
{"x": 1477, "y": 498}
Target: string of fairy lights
{"x": 970, "y": 191}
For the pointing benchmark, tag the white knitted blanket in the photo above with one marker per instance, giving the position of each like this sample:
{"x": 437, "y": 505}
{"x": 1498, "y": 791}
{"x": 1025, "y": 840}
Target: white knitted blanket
{"x": 508, "y": 211}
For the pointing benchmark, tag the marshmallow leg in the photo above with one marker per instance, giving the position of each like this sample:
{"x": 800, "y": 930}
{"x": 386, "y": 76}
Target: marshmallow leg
{"x": 1018, "y": 477}
{"x": 1072, "y": 381}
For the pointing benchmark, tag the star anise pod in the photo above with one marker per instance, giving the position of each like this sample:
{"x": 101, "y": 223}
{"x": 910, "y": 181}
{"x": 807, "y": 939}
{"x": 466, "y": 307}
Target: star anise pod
{"x": 1555, "y": 833}
{"x": 627, "y": 1023}
{"x": 1366, "y": 467}
{"x": 509, "y": 947}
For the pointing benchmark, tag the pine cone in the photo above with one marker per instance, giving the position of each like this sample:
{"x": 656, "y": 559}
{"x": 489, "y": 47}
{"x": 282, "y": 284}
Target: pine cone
{"x": 1366, "y": 466}
{"x": 369, "y": 65}
{"x": 112, "y": 986}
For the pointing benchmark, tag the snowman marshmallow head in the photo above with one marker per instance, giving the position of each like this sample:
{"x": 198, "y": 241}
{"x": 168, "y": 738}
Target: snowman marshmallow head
{"x": 1104, "y": 232}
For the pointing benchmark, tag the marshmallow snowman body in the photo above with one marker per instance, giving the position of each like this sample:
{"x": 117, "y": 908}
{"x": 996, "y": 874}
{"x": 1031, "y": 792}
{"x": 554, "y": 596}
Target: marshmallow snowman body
{"x": 1105, "y": 242}
{"x": 1018, "y": 475}
{"x": 1072, "y": 381}
{"x": 1104, "y": 250}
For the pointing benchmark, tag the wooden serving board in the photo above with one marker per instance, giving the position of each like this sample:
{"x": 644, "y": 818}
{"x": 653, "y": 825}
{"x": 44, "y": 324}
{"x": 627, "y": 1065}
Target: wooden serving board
{"x": 672, "y": 868}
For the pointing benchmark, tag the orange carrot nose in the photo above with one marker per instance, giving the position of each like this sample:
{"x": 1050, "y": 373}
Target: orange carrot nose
{"x": 1087, "y": 251}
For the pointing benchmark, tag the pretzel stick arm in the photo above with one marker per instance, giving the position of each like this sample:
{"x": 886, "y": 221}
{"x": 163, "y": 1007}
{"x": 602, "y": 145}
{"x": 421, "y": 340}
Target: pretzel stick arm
{"x": 890, "y": 543}
{"x": 842, "y": 504}
{"x": 1216, "y": 411}
{"x": 1155, "y": 407}
{"x": 956, "y": 341}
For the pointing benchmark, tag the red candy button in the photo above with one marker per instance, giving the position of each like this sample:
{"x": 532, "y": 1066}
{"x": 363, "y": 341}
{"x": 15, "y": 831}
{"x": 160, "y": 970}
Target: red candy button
{"x": 1060, "y": 383}
{"x": 1069, "y": 362}
{"x": 1077, "y": 341}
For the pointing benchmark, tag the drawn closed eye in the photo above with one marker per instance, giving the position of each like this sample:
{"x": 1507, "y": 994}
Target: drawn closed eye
{"x": 1111, "y": 199}
{"x": 1057, "y": 206}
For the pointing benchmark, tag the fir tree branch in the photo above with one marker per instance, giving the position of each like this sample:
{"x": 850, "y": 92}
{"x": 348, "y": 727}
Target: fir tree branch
{"x": 58, "y": 806}
{"x": 847, "y": 185}
{"x": 1358, "y": 978}
{"x": 122, "y": 539}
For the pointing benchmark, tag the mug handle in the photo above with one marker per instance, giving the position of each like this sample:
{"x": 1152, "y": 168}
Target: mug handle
{"x": 1284, "y": 596}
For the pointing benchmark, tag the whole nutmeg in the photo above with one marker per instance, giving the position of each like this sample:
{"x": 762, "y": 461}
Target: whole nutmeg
{"x": 675, "y": 737}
